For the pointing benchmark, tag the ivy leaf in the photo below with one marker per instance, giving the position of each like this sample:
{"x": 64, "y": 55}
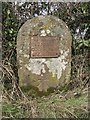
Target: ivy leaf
{"x": 8, "y": 11}
{"x": 10, "y": 44}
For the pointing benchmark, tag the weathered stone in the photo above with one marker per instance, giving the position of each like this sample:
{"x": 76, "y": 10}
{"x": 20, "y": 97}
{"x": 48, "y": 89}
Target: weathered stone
{"x": 44, "y": 73}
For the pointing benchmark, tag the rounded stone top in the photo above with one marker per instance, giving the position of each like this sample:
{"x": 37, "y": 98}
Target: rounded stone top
{"x": 43, "y": 73}
{"x": 45, "y": 26}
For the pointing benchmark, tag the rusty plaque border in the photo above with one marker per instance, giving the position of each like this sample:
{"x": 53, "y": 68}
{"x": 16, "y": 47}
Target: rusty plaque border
{"x": 44, "y": 47}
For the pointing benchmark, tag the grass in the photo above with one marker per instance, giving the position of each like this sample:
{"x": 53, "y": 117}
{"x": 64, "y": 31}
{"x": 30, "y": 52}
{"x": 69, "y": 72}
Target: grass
{"x": 51, "y": 106}
{"x": 58, "y": 107}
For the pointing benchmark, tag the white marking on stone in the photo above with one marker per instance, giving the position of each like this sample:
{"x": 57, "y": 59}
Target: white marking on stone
{"x": 48, "y": 31}
{"x": 61, "y": 38}
{"x": 62, "y": 35}
{"x": 32, "y": 38}
{"x": 55, "y": 65}
{"x": 27, "y": 67}
{"x": 41, "y": 74}
{"x": 36, "y": 66}
{"x": 20, "y": 68}
{"x": 26, "y": 56}
{"x": 61, "y": 51}
{"x": 20, "y": 51}
{"x": 20, "y": 61}
{"x": 43, "y": 69}
{"x": 65, "y": 33}
{"x": 43, "y": 33}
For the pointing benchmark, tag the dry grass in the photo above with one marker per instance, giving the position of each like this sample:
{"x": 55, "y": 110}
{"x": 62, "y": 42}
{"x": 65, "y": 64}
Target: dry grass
{"x": 64, "y": 105}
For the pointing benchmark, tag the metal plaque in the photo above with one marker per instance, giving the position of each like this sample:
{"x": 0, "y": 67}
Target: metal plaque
{"x": 44, "y": 46}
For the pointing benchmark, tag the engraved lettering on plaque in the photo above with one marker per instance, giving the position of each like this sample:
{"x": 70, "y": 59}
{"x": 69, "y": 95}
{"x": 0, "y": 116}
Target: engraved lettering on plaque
{"x": 45, "y": 46}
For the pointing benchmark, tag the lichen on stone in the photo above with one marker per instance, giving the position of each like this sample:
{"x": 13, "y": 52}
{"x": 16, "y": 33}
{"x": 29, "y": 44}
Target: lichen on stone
{"x": 55, "y": 65}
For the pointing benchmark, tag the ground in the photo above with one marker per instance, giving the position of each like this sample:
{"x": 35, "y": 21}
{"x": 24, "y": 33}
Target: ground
{"x": 70, "y": 104}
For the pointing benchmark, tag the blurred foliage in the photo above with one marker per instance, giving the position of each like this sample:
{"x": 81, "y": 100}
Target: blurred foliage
{"x": 9, "y": 30}
{"x": 83, "y": 44}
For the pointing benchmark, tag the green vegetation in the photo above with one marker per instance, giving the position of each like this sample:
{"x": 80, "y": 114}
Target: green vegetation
{"x": 51, "y": 106}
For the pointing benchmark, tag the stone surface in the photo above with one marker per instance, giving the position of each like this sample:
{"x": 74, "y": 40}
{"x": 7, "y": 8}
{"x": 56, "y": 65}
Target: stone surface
{"x": 44, "y": 73}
